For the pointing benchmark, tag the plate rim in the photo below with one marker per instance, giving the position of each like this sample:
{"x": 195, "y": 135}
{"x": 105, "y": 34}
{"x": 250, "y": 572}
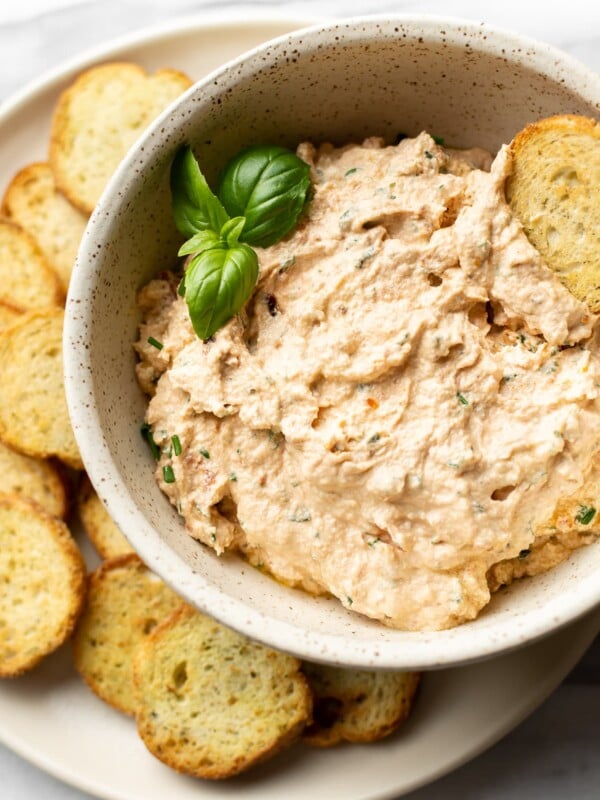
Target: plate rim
{"x": 585, "y": 631}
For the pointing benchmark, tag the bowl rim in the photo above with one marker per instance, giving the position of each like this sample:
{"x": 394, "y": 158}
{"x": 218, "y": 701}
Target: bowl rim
{"x": 422, "y": 650}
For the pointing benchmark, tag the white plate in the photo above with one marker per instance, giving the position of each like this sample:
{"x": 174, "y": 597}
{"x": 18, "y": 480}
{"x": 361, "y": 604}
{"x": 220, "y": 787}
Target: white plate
{"x": 50, "y": 717}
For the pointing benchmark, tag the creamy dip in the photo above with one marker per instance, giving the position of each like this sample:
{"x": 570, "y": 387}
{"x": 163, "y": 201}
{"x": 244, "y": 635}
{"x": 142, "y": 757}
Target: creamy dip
{"x": 406, "y": 398}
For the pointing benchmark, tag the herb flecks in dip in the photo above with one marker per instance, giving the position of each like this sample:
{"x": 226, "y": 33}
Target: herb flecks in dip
{"x": 402, "y": 403}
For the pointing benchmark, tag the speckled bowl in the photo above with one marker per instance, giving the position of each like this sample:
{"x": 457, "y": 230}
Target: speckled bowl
{"x": 473, "y": 85}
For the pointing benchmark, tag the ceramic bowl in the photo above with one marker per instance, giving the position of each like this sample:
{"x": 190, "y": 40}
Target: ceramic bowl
{"x": 338, "y": 82}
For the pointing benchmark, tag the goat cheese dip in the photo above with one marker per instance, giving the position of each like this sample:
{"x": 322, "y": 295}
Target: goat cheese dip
{"x": 404, "y": 401}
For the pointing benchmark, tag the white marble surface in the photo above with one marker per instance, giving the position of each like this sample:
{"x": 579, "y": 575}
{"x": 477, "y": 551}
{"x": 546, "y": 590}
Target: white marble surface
{"x": 554, "y": 754}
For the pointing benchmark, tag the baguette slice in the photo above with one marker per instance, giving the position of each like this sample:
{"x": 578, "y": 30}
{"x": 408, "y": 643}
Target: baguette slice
{"x": 8, "y": 315}
{"x": 554, "y": 191}
{"x": 107, "y": 539}
{"x": 212, "y": 703}
{"x": 33, "y": 479}
{"x": 125, "y": 602}
{"x": 42, "y": 575}
{"x": 33, "y": 201}
{"x": 27, "y": 281}
{"x": 357, "y": 705}
{"x": 33, "y": 409}
{"x": 98, "y": 118}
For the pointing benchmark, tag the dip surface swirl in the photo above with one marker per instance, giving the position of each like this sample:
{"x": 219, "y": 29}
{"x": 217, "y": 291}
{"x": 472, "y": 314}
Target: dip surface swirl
{"x": 407, "y": 396}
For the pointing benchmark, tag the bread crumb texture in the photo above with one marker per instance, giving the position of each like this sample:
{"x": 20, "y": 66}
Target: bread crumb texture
{"x": 553, "y": 190}
{"x": 87, "y": 143}
{"x": 33, "y": 201}
{"x": 211, "y": 703}
{"x": 33, "y": 407}
{"x": 125, "y": 602}
{"x": 42, "y": 584}
{"x": 357, "y": 705}
{"x": 27, "y": 281}
{"x": 34, "y": 479}
{"x": 104, "y": 534}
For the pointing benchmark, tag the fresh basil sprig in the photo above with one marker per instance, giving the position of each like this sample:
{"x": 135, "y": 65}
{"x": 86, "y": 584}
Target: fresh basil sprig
{"x": 217, "y": 284}
{"x": 269, "y": 186}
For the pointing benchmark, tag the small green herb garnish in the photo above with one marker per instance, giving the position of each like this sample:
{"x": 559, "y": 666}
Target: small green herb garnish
{"x": 462, "y": 399}
{"x": 438, "y": 139}
{"x": 375, "y": 438}
{"x": 524, "y": 553}
{"x": 168, "y": 474}
{"x": 350, "y": 171}
{"x": 585, "y": 515}
{"x": 155, "y": 343}
{"x": 176, "y": 445}
{"x": 300, "y": 515}
{"x": 428, "y": 154}
{"x": 233, "y": 477}
{"x": 146, "y": 432}
{"x": 261, "y": 194}
{"x": 204, "y": 453}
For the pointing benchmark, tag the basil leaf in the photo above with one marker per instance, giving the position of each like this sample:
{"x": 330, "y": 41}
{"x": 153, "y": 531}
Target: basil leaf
{"x": 199, "y": 242}
{"x": 217, "y": 284}
{"x": 195, "y": 207}
{"x": 268, "y": 185}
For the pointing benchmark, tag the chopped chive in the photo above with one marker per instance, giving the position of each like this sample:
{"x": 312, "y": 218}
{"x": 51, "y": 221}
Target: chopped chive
{"x": 176, "y": 445}
{"x": 462, "y": 399}
{"x": 585, "y": 515}
{"x": 204, "y": 452}
{"x": 349, "y": 600}
{"x": 300, "y": 515}
{"x": 233, "y": 477}
{"x": 350, "y": 171}
{"x": 146, "y": 432}
{"x": 155, "y": 343}
{"x": 438, "y": 139}
{"x": 428, "y": 154}
{"x": 375, "y": 438}
{"x": 168, "y": 474}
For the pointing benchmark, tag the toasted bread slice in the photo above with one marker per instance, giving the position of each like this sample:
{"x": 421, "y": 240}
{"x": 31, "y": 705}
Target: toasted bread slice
{"x": 8, "y": 315}
{"x": 98, "y": 118}
{"x": 33, "y": 479}
{"x": 553, "y": 190}
{"x": 33, "y": 201}
{"x": 42, "y": 576}
{"x": 101, "y": 530}
{"x": 125, "y": 602}
{"x": 212, "y": 703}
{"x": 33, "y": 407}
{"x": 357, "y": 705}
{"x": 26, "y": 279}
